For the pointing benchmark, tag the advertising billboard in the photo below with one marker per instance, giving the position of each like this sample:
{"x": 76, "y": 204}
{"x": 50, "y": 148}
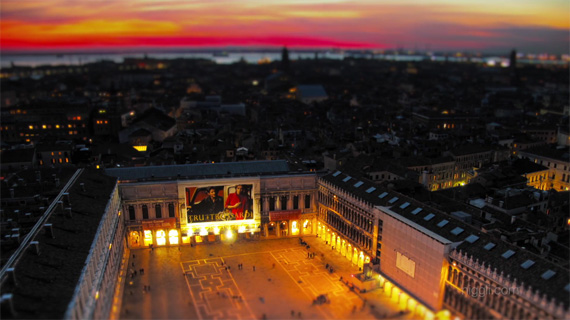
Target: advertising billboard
{"x": 219, "y": 203}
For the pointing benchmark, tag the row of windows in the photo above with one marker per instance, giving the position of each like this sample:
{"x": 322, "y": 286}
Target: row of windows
{"x": 157, "y": 211}
{"x": 347, "y": 211}
{"x": 549, "y": 164}
{"x": 283, "y": 202}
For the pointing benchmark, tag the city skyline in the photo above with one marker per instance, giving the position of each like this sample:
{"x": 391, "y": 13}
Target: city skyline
{"x": 67, "y": 25}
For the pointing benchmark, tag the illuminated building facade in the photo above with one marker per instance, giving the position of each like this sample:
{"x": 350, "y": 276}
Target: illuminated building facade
{"x": 557, "y": 162}
{"x": 61, "y": 118}
{"x": 201, "y": 204}
{"x": 432, "y": 264}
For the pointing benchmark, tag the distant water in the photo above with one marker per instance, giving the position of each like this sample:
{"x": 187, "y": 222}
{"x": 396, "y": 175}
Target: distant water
{"x": 35, "y": 60}
{"x": 221, "y": 58}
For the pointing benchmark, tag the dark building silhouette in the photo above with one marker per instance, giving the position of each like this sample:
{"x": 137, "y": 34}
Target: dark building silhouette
{"x": 285, "y": 59}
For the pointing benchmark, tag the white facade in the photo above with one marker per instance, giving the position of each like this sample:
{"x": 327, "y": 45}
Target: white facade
{"x": 414, "y": 258}
{"x": 95, "y": 290}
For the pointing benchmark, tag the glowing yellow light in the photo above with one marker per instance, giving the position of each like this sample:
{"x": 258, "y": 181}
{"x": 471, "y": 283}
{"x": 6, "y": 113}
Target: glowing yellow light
{"x": 96, "y": 295}
{"x": 203, "y": 232}
{"x": 229, "y": 234}
{"x": 241, "y": 229}
{"x": 97, "y": 166}
{"x": 44, "y": 126}
{"x": 110, "y": 246}
{"x": 216, "y": 230}
{"x": 132, "y": 113}
{"x": 140, "y": 148}
{"x": 160, "y": 237}
{"x": 31, "y": 127}
{"x": 173, "y": 235}
{"x": 255, "y": 82}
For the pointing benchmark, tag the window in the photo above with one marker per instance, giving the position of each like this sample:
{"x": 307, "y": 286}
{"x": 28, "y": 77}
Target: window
{"x": 472, "y": 238}
{"x": 307, "y": 201}
{"x": 442, "y": 223}
{"x": 271, "y": 203}
{"x": 508, "y": 254}
{"x": 457, "y": 231}
{"x": 132, "y": 215}
{"x": 145, "y": 211}
{"x": 171, "y": 213}
{"x": 548, "y": 274}
{"x": 158, "y": 211}
{"x": 393, "y": 200}
{"x": 527, "y": 264}
{"x": 283, "y": 202}
{"x": 295, "y": 202}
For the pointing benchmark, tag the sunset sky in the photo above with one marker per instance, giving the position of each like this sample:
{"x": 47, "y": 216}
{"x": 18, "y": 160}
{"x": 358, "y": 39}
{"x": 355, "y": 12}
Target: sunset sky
{"x": 485, "y": 26}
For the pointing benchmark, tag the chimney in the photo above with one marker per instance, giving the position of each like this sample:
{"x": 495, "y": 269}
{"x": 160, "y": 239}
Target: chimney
{"x": 60, "y": 205}
{"x": 36, "y": 246}
{"x": 49, "y": 230}
{"x": 11, "y": 272}
{"x": 7, "y": 304}
{"x": 65, "y": 198}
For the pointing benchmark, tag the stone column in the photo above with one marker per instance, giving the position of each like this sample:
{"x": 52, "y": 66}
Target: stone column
{"x": 278, "y": 228}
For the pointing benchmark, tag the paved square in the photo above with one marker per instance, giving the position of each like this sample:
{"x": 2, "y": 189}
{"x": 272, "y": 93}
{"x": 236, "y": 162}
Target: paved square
{"x": 278, "y": 280}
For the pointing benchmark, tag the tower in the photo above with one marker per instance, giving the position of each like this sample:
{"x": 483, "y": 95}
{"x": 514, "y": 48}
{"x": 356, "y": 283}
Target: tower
{"x": 285, "y": 59}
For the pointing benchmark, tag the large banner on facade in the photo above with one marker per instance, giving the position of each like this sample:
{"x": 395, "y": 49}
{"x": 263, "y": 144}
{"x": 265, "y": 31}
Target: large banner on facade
{"x": 219, "y": 203}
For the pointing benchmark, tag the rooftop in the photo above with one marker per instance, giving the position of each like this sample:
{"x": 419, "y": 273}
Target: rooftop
{"x": 197, "y": 171}
{"x": 46, "y": 282}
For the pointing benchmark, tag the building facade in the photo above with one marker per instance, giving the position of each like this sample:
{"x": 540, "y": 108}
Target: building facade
{"x": 93, "y": 295}
{"x": 160, "y": 211}
{"x": 432, "y": 264}
{"x": 558, "y": 164}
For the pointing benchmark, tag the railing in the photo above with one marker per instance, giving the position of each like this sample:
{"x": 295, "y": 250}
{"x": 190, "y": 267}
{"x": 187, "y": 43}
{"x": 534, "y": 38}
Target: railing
{"x": 25, "y": 244}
